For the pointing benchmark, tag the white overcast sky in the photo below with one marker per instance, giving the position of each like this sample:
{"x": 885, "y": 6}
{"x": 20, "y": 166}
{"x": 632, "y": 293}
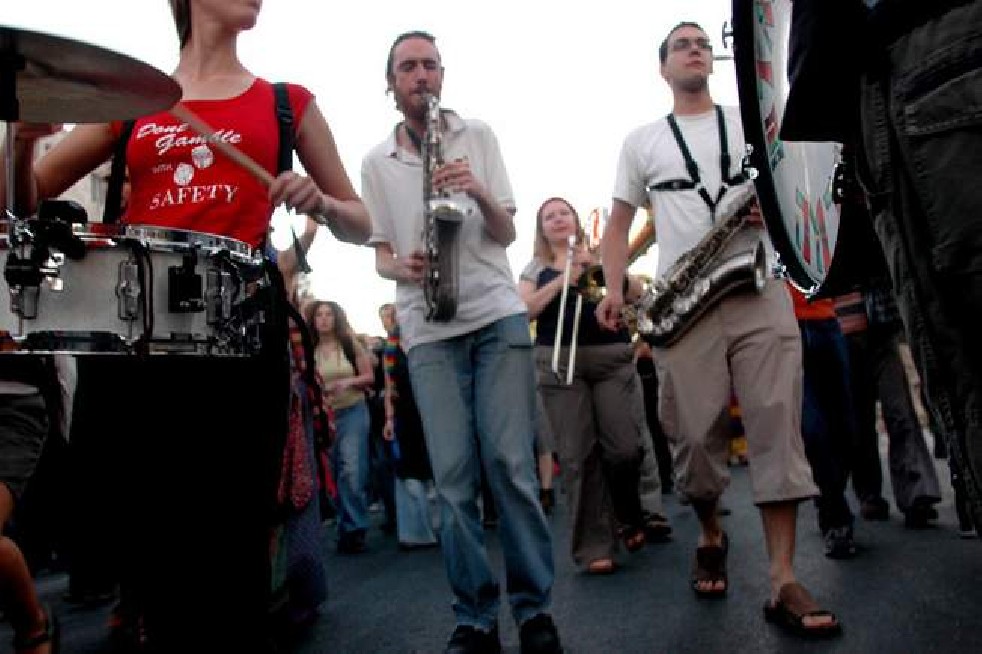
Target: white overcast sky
{"x": 560, "y": 82}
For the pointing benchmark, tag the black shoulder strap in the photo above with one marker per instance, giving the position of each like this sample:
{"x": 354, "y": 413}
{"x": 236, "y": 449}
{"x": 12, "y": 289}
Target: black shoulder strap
{"x": 284, "y": 118}
{"x": 694, "y": 181}
{"x": 284, "y": 160}
{"x": 117, "y": 175}
{"x": 724, "y": 157}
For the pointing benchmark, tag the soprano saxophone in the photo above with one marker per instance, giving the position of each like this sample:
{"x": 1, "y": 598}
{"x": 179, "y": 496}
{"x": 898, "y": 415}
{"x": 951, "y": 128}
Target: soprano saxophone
{"x": 443, "y": 217}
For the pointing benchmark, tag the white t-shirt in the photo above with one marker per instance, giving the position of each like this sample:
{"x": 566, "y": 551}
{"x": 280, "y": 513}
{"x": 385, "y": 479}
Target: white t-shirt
{"x": 651, "y": 155}
{"x": 392, "y": 189}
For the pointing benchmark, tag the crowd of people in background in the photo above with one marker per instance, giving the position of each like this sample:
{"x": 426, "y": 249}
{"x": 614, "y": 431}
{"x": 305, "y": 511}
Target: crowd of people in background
{"x": 534, "y": 397}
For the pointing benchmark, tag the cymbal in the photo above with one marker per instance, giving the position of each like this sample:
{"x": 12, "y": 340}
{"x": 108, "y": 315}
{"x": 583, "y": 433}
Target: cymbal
{"x": 60, "y": 80}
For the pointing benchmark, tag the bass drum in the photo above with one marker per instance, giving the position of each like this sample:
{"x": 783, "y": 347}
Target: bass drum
{"x": 800, "y": 185}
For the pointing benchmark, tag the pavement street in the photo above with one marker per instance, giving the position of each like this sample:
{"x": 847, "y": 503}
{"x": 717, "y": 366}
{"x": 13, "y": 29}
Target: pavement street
{"x": 906, "y": 592}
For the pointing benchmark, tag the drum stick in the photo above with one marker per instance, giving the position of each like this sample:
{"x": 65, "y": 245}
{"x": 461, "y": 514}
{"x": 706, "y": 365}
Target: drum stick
{"x": 229, "y": 150}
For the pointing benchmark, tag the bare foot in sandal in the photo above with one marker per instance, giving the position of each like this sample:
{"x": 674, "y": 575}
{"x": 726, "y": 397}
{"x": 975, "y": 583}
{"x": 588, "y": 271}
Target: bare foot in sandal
{"x": 797, "y": 612}
{"x": 709, "y": 578}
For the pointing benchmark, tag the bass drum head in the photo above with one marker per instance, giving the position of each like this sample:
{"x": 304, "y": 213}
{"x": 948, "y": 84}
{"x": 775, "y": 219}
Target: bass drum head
{"x": 794, "y": 179}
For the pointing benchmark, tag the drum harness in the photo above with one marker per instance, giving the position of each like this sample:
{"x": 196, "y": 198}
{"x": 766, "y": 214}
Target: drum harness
{"x": 141, "y": 253}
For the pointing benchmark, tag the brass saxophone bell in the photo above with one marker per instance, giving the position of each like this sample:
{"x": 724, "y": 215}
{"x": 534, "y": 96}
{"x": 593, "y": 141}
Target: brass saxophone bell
{"x": 591, "y": 283}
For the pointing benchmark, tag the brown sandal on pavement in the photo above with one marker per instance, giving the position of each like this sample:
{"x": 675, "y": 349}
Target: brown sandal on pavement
{"x": 632, "y": 537}
{"x": 710, "y": 565}
{"x": 793, "y": 605}
{"x": 601, "y": 566}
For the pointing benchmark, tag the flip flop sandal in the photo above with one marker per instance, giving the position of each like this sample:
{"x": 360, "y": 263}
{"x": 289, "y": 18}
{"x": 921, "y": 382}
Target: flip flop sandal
{"x": 710, "y": 566}
{"x": 793, "y": 605}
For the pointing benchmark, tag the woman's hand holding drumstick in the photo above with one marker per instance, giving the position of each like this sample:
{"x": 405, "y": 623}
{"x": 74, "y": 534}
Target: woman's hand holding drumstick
{"x": 297, "y": 192}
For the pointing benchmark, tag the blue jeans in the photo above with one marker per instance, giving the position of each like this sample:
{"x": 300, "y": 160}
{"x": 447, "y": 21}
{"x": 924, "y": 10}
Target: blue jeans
{"x": 349, "y": 462}
{"x": 827, "y": 424}
{"x": 413, "y": 522}
{"x": 478, "y": 391}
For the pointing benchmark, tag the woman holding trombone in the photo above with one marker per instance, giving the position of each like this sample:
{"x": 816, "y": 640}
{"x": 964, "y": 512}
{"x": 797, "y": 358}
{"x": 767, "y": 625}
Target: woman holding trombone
{"x": 591, "y": 392}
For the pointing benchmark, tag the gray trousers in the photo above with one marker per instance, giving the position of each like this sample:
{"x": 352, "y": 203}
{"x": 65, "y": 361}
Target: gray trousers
{"x": 598, "y": 423}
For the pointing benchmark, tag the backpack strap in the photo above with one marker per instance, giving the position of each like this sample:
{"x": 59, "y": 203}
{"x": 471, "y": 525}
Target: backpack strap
{"x": 117, "y": 175}
{"x": 284, "y": 159}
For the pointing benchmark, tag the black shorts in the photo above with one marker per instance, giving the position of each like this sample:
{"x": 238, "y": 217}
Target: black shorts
{"x": 23, "y": 427}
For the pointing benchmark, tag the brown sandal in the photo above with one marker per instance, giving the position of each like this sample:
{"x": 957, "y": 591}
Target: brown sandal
{"x": 793, "y": 605}
{"x": 601, "y": 566}
{"x": 632, "y": 537}
{"x": 710, "y": 565}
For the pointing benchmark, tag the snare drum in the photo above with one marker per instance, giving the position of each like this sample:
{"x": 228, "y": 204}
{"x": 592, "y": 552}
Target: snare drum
{"x": 136, "y": 289}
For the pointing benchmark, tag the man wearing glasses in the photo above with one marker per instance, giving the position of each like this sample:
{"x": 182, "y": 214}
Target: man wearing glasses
{"x": 686, "y": 167}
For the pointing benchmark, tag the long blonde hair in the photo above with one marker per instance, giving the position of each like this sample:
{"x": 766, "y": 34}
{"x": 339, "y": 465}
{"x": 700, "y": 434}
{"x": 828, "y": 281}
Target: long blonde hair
{"x": 542, "y": 249}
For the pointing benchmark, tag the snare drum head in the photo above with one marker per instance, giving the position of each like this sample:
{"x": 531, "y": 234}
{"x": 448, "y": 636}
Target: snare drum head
{"x": 794, "y": 182}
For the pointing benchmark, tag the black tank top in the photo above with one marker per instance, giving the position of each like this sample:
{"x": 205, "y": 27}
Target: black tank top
{"x": 591, "y": 333}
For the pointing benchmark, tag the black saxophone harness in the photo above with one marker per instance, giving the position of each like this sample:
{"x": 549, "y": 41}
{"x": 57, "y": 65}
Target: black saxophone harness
{"x": 694, "y": 181}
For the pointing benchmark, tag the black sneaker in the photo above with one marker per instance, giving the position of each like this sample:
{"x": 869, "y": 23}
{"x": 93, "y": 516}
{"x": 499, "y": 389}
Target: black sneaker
{"x": 466, "y": 639}
{"x": 352, "y": 543}
{"x": 839, "y": 543}
{"x": 538, "y": 635}
{"x": 656, "y": 528}
{"x": 965, "y": 527}
{"x": 921, "y": 514}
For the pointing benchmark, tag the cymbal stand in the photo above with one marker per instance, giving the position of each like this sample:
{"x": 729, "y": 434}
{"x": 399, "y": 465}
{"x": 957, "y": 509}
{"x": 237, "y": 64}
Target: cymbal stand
{"x": 10, "y": 63}
{"x": 21, "y": 273}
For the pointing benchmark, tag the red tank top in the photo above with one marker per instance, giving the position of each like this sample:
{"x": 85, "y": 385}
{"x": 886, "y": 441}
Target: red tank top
{"x": 177, "y": 180}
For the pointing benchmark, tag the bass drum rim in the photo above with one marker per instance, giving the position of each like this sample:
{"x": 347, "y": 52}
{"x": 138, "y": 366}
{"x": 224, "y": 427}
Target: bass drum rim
{"x": 744, "y": 59}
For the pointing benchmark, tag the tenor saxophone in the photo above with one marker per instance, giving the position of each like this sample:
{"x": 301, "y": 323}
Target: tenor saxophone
{"x": 443, "y": 217}
{"x": 729, "y": 258}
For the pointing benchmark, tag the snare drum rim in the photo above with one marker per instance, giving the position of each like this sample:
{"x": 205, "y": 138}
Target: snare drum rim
{"x": 745, "y": 65}
{"x": 166, "y": 239}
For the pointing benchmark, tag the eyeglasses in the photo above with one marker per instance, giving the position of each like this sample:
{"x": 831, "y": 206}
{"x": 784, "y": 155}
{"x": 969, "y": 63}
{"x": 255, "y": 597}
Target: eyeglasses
{"x": 684, "y": 43}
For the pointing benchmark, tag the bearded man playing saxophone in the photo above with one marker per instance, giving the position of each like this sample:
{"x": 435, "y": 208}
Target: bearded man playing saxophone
{"x": 471, "y": 368}
{"x": 681, "y": 165}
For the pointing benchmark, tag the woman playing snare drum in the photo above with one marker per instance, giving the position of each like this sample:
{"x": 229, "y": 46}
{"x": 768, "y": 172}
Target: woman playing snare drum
{"x": 199, "y": 439}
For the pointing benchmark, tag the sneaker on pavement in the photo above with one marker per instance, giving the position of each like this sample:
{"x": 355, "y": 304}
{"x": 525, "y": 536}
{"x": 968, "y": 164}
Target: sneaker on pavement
{"x": 839, "y": 543}
{"x": 466, "y": 639}
{"x": 921, "y": 514}
{"x": 538, "y": 635}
